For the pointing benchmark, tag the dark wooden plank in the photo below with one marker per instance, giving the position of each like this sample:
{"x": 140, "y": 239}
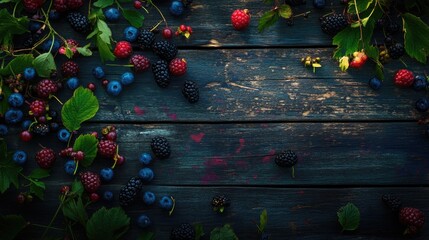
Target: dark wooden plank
{"x": 256, "y": 85}
{"x": 301, "y": 213}
{"x": 242, "y": 154}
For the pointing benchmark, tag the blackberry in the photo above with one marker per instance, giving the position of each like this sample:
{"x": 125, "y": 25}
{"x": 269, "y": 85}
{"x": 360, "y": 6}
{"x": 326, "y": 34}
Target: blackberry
{"x": 333, "y": 24}
{"x": 78, "y": 22}
{"x": 183, "y": 232}
{"x": 145, "y": 38}
{"x": 220, "y": 202}
{"x": 41, "y": 129}
{"x": 286, "y": 159}
{"x": 392, "y": 202}
{"x": 190, "y": 91}
{"x": 32, "y": 39}
{"x": 392, "y": 27}
{"x": 165, "y": 50}
{"x": 128, "y": 192}
{"x": 396, "y": 50}
{"x": 160, "y": 147}
{"x": 45, "y": 88}
{"x": 69, "y": 69}
{"x": 161, "y": 73}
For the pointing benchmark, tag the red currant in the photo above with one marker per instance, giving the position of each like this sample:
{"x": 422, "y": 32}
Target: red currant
{"x": 79, "y": 156}
{"x": 105, "y": 82}
{"x": 94, "y": 197}
{"x": 91, "y": 86}
{"x": 64, "y": 189}
{"x": 138, "y": 4}
{"x": 182, "y": 28}
{"x": 20, "y": 198}
{"x": 120, "y": 160}
{"x": 189, "y": 29}
{"x": 111, "y": 136}
{"x": 167, "y": 33}
{"x": 26, "y": 136}
{"x": 95, "y": 134}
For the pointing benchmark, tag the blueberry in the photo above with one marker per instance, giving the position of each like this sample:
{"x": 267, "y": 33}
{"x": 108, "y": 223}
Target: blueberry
{"x": 176, "y": 8}
{"x": 54, "y": 126}
{"x": 19, "y": 157}
{"x": 127, "y": 78}
{"x": 34, "y": 26}
{"x": 143, "y": 221}
{"x": 422, "y": 105}
{"x": 146, "y": 174}
{"x": 130, "y": 34}
{"x": 145, "y": 158}
{"x": 420, "y": 83}
{"x": 114, "y": 88}
{"x": 63, "y": 135}
{"x": 375, "y": 83}
{"x": 46, "y": 45}
{"x": 25, "y": 124}
{"x": 29, "y": 73}
{"x": 54, "y": 15}
{"x": 3, "y": 130}
{"x": 52, "y": 113}
{"x": 98, "y": 72}
{"x": 108, "y": 196}
{"x": 166, "y": 203}
{"x": 13, "y": 116}
{"x": 15, "y": 100}
{"x": 149, "y": 198}
{"x": 112, "y": 14}
{"x": 73, "y": 83}
{"x": 106, "y": 174}
{"x": 69, "y": 167}
{"x": 319, "y": 4}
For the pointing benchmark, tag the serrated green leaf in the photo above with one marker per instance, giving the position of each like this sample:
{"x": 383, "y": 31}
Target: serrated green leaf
{"x": 199, "y": 231}
{"x": 349, "y": 217}
{"x": 103, "y": 3}
{"x": 84, "y": 51}
{"x": 17, "y": 65}
{"x": 105, "y": 51}
{"x": 416, "y": 39}
{"x": 11, "y": 226}
{"x": 134, "y": 17}
{"x": 4, "y": 105}
{"x": 82, "y": 106}
{"x": 223, "y": 233}
{"x": 263, "y": 219}
{"x": 361, "y": 6}
{"x": 75, "y": 210}
{"x": 77, "y": 187}
{"x": 88, "y": 145}
{"x": 69, "y": 53}
{"x": 146, "y": 236}
{"x": 285, "y": 11}
{"x": 39, "y": 173}
{"x": 9, "y": 25}
{"x": 107, "y": 224}
{"x": 268, "y": 19}
{"x": 44, "y": 64}
{"x": 38, "y": 188}
{"x": 9, "y": 171}
{"x": 105, "y": 32}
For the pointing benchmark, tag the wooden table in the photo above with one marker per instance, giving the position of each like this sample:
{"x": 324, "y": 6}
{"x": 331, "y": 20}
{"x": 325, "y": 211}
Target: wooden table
{"x": 257, "y": 99}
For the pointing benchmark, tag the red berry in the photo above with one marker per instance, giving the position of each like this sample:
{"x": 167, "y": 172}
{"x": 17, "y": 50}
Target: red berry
{"x": 120, "y": 160}
{"x": 69, "y": 69}
{"x": 45, "y": 158}
{"x": 94, "y": 197}
{"x": 20, "y": 198}
{"x": 95, "y": 134}
{"x": 413, "y": 219}
{"x": 41, "y": 119}
{"x": 177, "y": 66}
{"x": 189, "y": 29}
{"x": 32, "y": 6}
{"x": 167, "y": 33}
{"x": 240, "y": 19}
{"x": 91, "y": 86}
{"x": 65, "y": 189}
{"x": 403, "y": 78}
{"x": 90, "y": 181}
{"x": 140, "y": 63}
{"x": 74, "y": 4}
{"x": 60, "y": 5}
{"x": 182, "y": 28}
{"x": 123, "y": 49}
{"x": 66, "y": 152}
{"x": 111, "y": 136}
{"x": 107, "y": 148}
{"x": 79, "y": 156}
{"x": 37, "y": 108}
{"x": 138, "y": 4}
{"x": 45, "y": 88}
{"x": 105, "y": 82}
{"x": 25, "y": 136}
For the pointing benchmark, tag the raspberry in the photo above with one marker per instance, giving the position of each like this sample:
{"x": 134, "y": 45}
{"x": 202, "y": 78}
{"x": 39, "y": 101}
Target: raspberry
{"x": 392, "y": 202}
{"x": 240, "y": 19}
{"x": 161, "y": 73}
{"x": 60, "y": 5}
{"x": 90, "y": 181}
{"x": 219, "y": 203}
{"x": 78, "y": 22}
{"x": 190, "y": 91}
{"x": 41, "y": 129}
{"x": 286, "y": 159}
{"x": 70, "y": 44}
{"x": 177, "y": 66}
{"x": 32, "y": 6}
{"x": 140, "y": 63}
{"x": 128, "y": 193}
{"x": 185, "y": 231}
{"x": 107, "y": 148}
{"x": 45, "y": 158}
{"x": 69, "y": 69}
{"x": 37, "y": 108}
{"x": 45, "y": 88}
{"x": 165, "y": 50}
{"x": 403, "y": 78}
{"x": 74, "y": 4}
{"x": 123, "y": 49}
{"x": 160, "y": 147}
{"x": 145, "y": 38}
{"x": 413, "y": 219}
{"x": 333, "y": 24}
{"x": 396, "y": 50}
{"x": 66, "y": 152}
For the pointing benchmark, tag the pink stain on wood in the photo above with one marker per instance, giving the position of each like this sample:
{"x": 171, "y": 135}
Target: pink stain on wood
{"x": 172, "y": 116}
{"x": 197, "y": 137}
{"x": 270, "y": 155}
{"x": 238, "y": 150}
{"x": 209, "y": 177}
{"x": 138, "y": 110}
{"x": 216, "y": 162}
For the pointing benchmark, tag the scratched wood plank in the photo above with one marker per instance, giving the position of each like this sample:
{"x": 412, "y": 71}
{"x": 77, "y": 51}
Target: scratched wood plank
{"x": 243, "y": 154}
{"x": 256, "y": 85}
{"x": 298, "y": 213}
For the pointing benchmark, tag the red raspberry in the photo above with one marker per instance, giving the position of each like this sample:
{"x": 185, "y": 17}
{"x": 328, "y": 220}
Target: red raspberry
{"x": 413, "y": 219}
{"x": 45, "y": 158}
{"x": 138, "y": 4}
{"x": 177, "y": 66}
{"x": 32, "y": 6}
{"x": 107, "y": 148}
{"x": 65, "y": 189}
{"x": 403, "y": 78}
{"x": 240, "y": 19}
{"x": 74, "y": 4}
{"x": 60, "y": 5}
{"x": 69, "y": 69}
{"x": 37, "y": 108}
{"x": 45, "y": 88}
{"x": 123, "y": 49}
{"x": 66, "y": 152}
{"x": 140, "y": 63}
{"x": 90, "y": 181}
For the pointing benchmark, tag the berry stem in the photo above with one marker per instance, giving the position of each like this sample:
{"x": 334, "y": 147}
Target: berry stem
{"x": 293, "y": 172}
{"x": 54, "y": 217}
{"x": 119, "y": 65}
{"x": 75, "y": 169}
{"x": 44, "y": 226}
{"x": 58, "y": 100}
{"x": 160, "y": 13}
{"x": 174, "y": 205}
{"x": 68, "y": 142}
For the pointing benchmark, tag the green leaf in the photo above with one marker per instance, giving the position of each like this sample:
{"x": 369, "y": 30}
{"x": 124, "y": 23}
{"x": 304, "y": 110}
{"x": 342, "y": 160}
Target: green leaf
{"x": 134, "y": 17}
{"x": 223, "y": 233}
{"x": 268, "y": 19}
{"x": 88, "y": 145}
{"x": 285, "y": 11}
{"x": 39, "y": 173}
{"x": 17, "y": 65}
{"x": 85, "y": 51}
{"x": 361, "y": 6}
{"x": 263, "y": 219}
{"x": 4, "y": 105}
{"x": 107, "y": 224}
{"x": 103, "y": 3}
{"x": 416, "y": 39}
{"x": 199, "y": 231}
{"x": 9, "y": 25}
{"x": 75, "y": 210}
{"x": 105, "y": 32}
{"x": 82, "y": 106}
{"x": 11, "y": 226}
{"x": 44, "y": 64}
{"x": 69, "y": 52}
{"x": 9, "y": 171}
{"x": 38, "y": 188}
{"x": 349, "y": 217}
{"x": 77, "y": 187}
{"x": 105, "y": 51}
{"x": 268, "y": 1}
{"x": 146, "y": 236}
